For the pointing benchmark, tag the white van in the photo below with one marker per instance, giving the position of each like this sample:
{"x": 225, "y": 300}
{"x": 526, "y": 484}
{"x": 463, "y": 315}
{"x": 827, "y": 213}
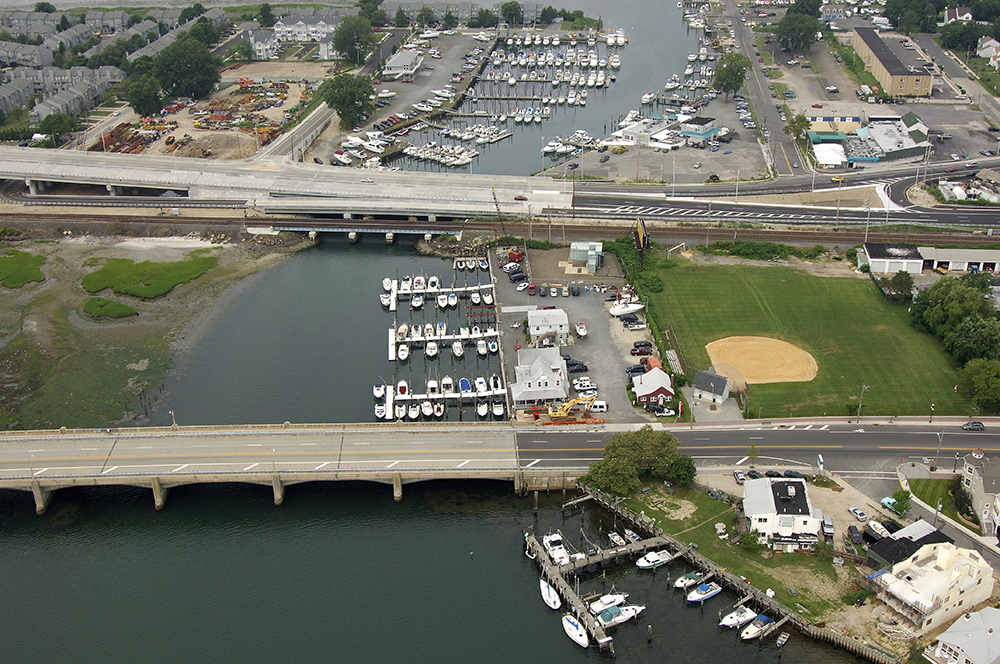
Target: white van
{"x": 599, "y": 407}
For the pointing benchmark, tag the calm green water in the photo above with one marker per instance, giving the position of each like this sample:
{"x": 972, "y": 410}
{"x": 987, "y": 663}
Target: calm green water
{"x": 338, "y": 573}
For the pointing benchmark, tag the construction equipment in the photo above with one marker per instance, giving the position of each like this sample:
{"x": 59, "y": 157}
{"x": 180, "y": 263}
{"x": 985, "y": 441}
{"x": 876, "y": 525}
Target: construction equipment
{"x": 565, "y": 411}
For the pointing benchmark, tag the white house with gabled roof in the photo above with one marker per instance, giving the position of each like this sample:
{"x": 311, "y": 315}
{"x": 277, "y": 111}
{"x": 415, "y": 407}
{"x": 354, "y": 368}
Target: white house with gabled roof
{"x": 972, "y": 639}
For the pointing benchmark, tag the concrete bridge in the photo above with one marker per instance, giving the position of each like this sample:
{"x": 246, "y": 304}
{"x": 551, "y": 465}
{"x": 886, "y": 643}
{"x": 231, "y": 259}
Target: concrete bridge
{"x": 159, "y": 458}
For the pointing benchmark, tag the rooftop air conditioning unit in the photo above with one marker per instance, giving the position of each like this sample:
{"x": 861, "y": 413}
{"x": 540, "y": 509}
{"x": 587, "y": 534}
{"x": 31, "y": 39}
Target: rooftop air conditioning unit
{"x": 791, "y": 492}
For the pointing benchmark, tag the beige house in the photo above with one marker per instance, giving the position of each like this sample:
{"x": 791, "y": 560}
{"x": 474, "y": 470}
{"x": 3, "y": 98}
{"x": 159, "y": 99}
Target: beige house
{"x": 935, "y": 584}
{"x": 896, "y": 79}
{"x": 981, "y": 479}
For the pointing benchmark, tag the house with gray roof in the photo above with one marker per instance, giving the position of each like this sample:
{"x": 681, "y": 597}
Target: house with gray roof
{"x": 403, "y": 64}
{"x": 78, "y": 34}
{"x": 145, "y": 27}
{"x": 25, "y": 55}
{"x": 50, "y": 80}
{"x": 550, "y": 324}
{"x": 15, "y": 95}
{"x": 168, "y": 17}
{"x": 710, "y": 386}
{"x": 110, "y": 21}
{"x": 264, "y": 42}
{"x": 981, "y": 479}
{"x": 539, "y": 377}
{"x": 974, "y": 638}
{"x": 75, "y": 100}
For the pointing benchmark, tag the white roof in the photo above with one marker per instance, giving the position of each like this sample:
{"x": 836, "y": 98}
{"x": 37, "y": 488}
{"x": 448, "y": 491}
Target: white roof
{"x": 961, "y": 255}
{"x": 829, "y": 154}
{"x": 548, "y": 318}
{"x": 977, "y": 635}
{"x": 757, "y": 497}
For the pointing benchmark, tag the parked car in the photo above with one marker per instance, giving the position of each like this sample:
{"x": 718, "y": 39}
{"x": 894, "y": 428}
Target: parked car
{"x": 754, "y": 475}
{"x": 518, "y": 277}
{"x": 575, "y": 290}
{"x": 522, "y": 286}
{"x": 973, "y": 426}
{"x": 890, "y": 504}
{"x": 642, "y": 350}
{"x": 532, "y": 289}
{"x": 772, "y": 473}
{"x": 635, "y": 370}
{"x": 794, "y": 474}
{"x": 511, "y": 267}
{"x": 828, "y": 525}
{"x": 635, "y": 326}
{"x": 577, "y": 368}
{"x": 858, "y": 514}
{"x": 658, "y": 410}
{"x": 739, "y": 476}
{"x": 854, "y": 535}
{"x": 554, "y": 292}
{"x": 642, "y": 344}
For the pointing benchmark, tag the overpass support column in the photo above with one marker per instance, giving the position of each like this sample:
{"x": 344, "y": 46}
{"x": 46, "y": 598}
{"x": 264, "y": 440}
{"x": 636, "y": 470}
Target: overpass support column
{"x": 432, "y": 218}
{"x": 347, "y": 215}
{"x": 279, "y": 490}
{"x": 397, "y": 487}
{"x": 113, "y": 190}
{"x": 159, "y": 495}
{"x": 42, "y": 497}
{"x": 35, "y": 187}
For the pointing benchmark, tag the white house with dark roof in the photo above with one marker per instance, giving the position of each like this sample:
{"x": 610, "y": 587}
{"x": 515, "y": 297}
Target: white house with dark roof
{"x": 890, "y": 258}
{"x": 972, "y": 639}
{"x": 539, "y": 377}
{"x": 548, "y": 324}
{"x": 654, "y": 386}
{"x": 710, "y": 387}
{"x": 957, "y": 14}
{"x": 981, "y": 479}
{"x": 780, "y": 510}
{"x": 403, "y": 64}
{"x": 264, "y": 43}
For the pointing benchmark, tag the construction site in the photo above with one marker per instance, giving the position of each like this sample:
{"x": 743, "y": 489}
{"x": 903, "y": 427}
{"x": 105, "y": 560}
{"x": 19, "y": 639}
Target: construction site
{"x": 234, "y": 123}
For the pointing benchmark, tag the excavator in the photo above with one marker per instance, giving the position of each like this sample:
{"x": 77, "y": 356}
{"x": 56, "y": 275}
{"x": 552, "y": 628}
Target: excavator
{"x": 564, "y": 411}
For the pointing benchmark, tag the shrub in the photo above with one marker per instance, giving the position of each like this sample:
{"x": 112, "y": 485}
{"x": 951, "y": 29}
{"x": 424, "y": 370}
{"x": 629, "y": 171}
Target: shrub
{"x": 102, "y": 307}
{"x": 758, "y": 251}
{"x": 19, "y": 267}
{"x": 147, "y": 279}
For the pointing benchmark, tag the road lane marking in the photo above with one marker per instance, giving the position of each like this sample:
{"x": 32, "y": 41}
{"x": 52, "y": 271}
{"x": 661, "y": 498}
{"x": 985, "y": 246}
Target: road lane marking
{"x": 391, "y": 465}
{"x": 251, "y": 466}
{"x": 199, "y": 446}
{"x": 791, "y": 427}
{"x": 473, "y": 442}
{"x": 88, "y": 449}
{"x": 463, "y": 463}
{"x": 361, "y": 443}
{"x": 307, "y": 443}
{"x": 325, "y": 463}
{"x": 741, "y": 461}
{"x": 809, "y": 427}
{"x": 595, "y": 441}
{"x": 179, "y": 468}
{"x": 36, "y": 450}
{"x": 108, "y": 470}
{"x": 39, "y": 472}
{"x": 255, "y": 445}
{"x": 147, "y": 447}
{"x": 756, "y": 437}
{"x": 532, "y": 463}
{"x": 824, "y": 427}
{"x": 703, "y": 439}
{"x": 539, "y": 441}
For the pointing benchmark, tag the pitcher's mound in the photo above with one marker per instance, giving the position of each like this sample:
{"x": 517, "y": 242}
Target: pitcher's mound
{"x": 764, "y": 360}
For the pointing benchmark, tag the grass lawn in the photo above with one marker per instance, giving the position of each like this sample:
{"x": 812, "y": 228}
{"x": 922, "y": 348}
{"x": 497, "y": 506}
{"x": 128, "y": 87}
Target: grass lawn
{"x": 147, "y": 279}
{"x": 854, "y": 335}
{"x": 934, "y": 491}
{"x": 99, "y": 306}
{"x": 19, "y": 267}
{"x": 774, "y": 572}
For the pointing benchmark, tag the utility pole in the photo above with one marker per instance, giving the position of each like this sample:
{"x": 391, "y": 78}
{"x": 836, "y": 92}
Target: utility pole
{"x": 867, "y": 221}
{"x": 861, "y": 401}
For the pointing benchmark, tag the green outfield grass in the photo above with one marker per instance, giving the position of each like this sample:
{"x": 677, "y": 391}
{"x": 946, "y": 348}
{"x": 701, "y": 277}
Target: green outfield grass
{"x": 856, "y": 337}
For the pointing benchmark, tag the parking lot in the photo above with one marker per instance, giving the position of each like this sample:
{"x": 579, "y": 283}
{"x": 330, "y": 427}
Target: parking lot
{"x": 605, "y": 349}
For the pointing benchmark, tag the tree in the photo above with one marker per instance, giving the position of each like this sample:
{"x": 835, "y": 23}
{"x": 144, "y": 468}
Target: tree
{"x": 549, "y": 14}
{"x": 940, "y": 308}
{"x": 974, "y": 337}
{"x": 449, "y": 21}
{"x": 902, "y": 499}
{"x": 401, "y": 20}
{"x": 186, "y": 68}
{"x": 45, "y": 7}
{"x": 55, "y": 124}
{"x": 144, "y": 95}
{"x": 730, "y": 72}
{"x": 244, "y": 51}
{"x": 899, "y": 287}
{"x": 142, "y": 65}
{"x": 381, "y": 19}
{"x": 133, "y": 18}
{"x": 191, "y": 13}
{"x": 425, "y": 17}
{"x": 266, "y": 16}
{"x": 63, "y": 23}
{"x": 350, "y": 97}
{"x": 981, "y": 281}
{"x": 682, "y": 471}
{"x": 750, "y": 540}
{"x": 797, "y": 125}
{"x": 486, "y": 19}
{"x": 632, "y": 454}
{"x": 806, "y": 7}
{"x": 204, "y": 32}
{"x": 512, "y": 12}
{"x": 981, "y": 379}
{"x": 753, "y": 454}
{"x": 354, "y": 38}
{"x": 797, "y": 31}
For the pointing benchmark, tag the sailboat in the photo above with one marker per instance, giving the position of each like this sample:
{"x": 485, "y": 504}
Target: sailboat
{"x": 549, "y": 595}
{"x": 575, "y": 630}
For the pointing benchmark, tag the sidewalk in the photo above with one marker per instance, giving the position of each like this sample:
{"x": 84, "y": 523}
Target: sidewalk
{"x": 906, "y": 472}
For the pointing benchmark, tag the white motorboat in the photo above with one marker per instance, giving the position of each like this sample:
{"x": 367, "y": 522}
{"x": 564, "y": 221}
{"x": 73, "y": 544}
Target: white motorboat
{"x": 492, "y": 345}
{"x": 431, "y": 349}
{"x": 452, "y": 300}
{"x": 495, "y": 382}
{"x": 653, "y": 559}
{"x": 616, "y": 539}
{"x": 648, "y": 98}
{"x": 401, "y": 332}
{"x": 484, "y": 264}
{"x": 458, "y": 348}
{"x": 476, "y": 332}
{"x": 417, "y": 301}
{"x": 385, "y": 299}
{"x": 482, "y": 408}
{"x": 447, "y": 385}
{"x": 426, "y": 408}
{"x": 553, "y": 545}
{"x": 402, "y": 351}
{"x": 741, "y": 616}
{"x": 433, "y": 283}
{"x": 432, "y": 388}
{"x": 378, "y": 391}
{"x": 442, "y": 301}
{"x": 575, "y": 630}
{"x": 549, "y": 595}
{"x": 441, "y": 328}
{"x": 464, "y": 386}
{"x": 387, "y": 284}
{"x": 581, "y": 329}
{"x": 616, "y": 615}
{"x": 607, "y": 601}
{"x": 429, "y": 330}
{"x": 418, "y": 282}
{"x": 476, "y": 298}
{"x": 704, "y": 591}
{"x": 756, "y": 628}
{"x": 416, "y": 333}
{"x": 487, "y": 298}
{"x": 481, "y": 347}
{"x": 631, "y": 535}
{"x": 625, "y": 308}
{"x": 481, "y": 386}
{"x": 380, "y": 410}
{"x": 400, "y": 410}
{"x": 439, "y": 409}
{"x": 413, "y": 412}
{"x": 497, "y": 408}
{"x": 688, "y": 580}
{"x": 782, "y": 639}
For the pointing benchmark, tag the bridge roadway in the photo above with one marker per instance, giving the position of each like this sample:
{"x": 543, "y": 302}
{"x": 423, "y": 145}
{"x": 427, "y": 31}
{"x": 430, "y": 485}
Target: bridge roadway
{"x": 532, "y": 458}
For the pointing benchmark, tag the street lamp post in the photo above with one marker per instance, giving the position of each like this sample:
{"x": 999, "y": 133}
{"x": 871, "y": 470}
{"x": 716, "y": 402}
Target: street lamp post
{"x": 861, "y": 401}
{"x": 814, "y": 181}
{"x": 867, "y": 221}
{"x": 955, "y": 469}
{"x": 736, "y": 198}
{"x": 930, "y": 420}
{"x": 840, "y": 187}
{"x": 673, "y": 177}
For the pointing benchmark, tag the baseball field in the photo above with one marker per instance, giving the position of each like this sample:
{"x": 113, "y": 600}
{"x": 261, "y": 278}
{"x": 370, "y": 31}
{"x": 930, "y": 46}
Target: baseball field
{"x": 855, "y": 337}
